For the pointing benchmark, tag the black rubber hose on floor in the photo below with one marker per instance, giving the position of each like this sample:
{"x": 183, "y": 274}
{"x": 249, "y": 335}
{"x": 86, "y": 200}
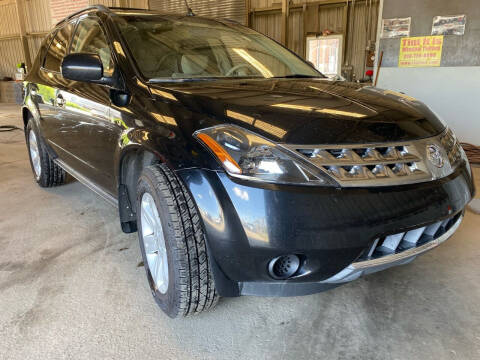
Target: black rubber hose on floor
{"x": 5, "y": 128}
{"x": 473, "y": 153}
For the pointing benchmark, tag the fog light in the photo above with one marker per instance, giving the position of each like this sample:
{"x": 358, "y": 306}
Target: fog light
{"x": 283, "y": 267}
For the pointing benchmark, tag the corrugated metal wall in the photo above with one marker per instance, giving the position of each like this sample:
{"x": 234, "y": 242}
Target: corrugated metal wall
{"x": 37, "y": 13}
{"x": 8, "y": 15}
{"x": 268, "y": 24}
{"x": 139, "y": 4}
{"x": 10, "y": 45}
{"x": 295, "y": 32}
{"x": 229, "y": 9}
{"x": 304, "y": 17}
{"x": 315, "y": 16}
{"x": 359, "y": 36}
{"x": 38, "y": 22}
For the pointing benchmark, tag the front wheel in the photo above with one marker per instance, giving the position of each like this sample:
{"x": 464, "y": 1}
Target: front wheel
{"x": 172, "y": 243}
{"x": 45, "y": 172}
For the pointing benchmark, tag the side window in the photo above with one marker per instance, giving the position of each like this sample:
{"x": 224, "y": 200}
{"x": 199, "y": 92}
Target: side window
{"x": 89, "y": 38}
{"x": 58, "y": 48}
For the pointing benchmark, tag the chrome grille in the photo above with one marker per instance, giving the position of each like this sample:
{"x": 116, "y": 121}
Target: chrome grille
{"x": 397, "y": 243}
{"x": 382, "y": 164}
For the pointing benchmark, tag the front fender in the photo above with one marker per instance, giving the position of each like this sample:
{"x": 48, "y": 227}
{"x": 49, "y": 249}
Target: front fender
{"x": 222, "y": 227}
{"x": 30, "y": 106}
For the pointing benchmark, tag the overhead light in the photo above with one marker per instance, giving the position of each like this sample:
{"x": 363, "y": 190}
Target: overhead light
{"x": 323, "y": 111}
{"x": 165, "y": 119}
{"x": 118, "y": 48}
{"x": 239, "y": 116}
{"x": 341, "y": 112}
{"x": 254, "y": 62}
{"x": 269, "y": 128}
{"x": 295, "y": 107}
{"x": 164, "y": 94}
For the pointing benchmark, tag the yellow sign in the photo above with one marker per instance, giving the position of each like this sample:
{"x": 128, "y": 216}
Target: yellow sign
{"x": 420, "y": 51}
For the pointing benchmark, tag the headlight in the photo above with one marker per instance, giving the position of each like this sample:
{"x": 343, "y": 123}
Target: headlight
{"x": 454, "y": 150}
{"x": 244, "y": 154}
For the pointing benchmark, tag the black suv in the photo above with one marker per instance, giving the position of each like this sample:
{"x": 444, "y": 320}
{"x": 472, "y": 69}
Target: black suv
{"x": 244, "y": 169}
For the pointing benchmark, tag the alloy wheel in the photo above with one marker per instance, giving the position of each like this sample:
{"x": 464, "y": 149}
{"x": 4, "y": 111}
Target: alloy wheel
{"x": 154, "y": 243}
{"x": 34, "y": 154}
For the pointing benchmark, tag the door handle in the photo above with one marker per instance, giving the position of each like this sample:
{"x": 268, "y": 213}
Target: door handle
{"x": 60, "y": 100}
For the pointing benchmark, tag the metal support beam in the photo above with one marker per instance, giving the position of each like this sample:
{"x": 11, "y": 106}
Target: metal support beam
{"x": 23, "y": 32}
{"x": 285, "y": 14}
{"x": 304, "y": 29}
{"x": 346, "y": 33}
{"x": 248, "y": 4}
{"x": 17, "y": 36}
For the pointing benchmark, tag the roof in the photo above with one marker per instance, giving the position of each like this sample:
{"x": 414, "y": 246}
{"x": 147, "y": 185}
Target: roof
{"x": 105, "y": 9}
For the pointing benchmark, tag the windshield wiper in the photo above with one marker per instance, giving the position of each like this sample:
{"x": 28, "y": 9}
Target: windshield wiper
{"x": 180, "y": 80}
{"x": 205, "y": 78}
{"x": 213, "y": 78}
{"x": 297, "y": 76}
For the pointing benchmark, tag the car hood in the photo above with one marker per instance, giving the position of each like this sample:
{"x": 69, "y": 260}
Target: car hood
{"x": 302, "y": 111}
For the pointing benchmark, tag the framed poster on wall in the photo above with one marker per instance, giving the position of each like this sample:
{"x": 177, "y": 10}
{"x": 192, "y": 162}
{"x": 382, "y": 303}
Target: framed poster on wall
{"x": 392, "y": 28}
{"x": 449, "y": 25}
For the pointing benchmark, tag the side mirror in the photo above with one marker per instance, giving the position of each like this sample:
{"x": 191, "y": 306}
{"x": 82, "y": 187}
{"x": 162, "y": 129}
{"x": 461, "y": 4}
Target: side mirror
{"x": 82, "y": 67}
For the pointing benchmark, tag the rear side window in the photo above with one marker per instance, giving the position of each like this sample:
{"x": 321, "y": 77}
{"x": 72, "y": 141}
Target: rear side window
{"x": 58, "y": 48}
{"x": 89, "y": 38}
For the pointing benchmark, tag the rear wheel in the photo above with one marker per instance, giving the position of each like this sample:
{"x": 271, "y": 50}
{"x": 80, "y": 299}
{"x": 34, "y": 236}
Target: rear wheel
{"x": 45, "y": 172}
{"x": 172, "y": 243}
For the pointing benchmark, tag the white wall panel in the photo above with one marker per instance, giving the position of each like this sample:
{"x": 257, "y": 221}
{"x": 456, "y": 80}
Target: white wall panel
{"x": 455, "y": 101}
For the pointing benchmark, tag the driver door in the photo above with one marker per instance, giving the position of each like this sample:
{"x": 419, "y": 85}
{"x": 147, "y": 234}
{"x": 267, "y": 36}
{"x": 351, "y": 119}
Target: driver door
{"x": 95, "y": 138}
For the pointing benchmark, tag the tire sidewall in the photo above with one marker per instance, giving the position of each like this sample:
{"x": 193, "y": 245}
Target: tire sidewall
{"x": 168, "y": 302}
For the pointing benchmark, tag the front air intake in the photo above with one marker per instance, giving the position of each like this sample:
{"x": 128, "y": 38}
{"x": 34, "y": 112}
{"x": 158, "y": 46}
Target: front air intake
{"x": 400, "y": 242}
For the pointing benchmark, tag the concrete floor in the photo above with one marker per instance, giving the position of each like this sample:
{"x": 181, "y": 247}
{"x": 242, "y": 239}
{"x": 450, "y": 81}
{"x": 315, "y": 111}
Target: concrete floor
{"x": 71, "y": 287}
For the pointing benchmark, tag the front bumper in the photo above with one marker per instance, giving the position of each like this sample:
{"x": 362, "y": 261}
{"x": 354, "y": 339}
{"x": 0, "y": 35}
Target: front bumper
{"x": 330, "y": 228}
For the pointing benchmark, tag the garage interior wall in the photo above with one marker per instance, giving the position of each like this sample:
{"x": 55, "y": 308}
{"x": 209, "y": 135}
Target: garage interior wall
{"x": 452, "y": 89}
{"x": 37, "y": 22}
{"x": 355, "y": 19}
{"x": 226, "y": 9}
{"x": 288, "y": 22}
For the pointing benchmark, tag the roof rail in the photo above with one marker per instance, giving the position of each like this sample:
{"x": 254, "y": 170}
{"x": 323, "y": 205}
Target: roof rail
{"x": 126, "y": 8}
{"x": 91, "y": 7}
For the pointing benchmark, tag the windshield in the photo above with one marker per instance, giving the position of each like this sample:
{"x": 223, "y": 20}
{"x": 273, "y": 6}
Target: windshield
{"x": 168, "y": 47}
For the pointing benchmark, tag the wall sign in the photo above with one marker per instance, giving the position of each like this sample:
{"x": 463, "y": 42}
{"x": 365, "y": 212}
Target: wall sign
{"x": 420, "y": 51}
{"x": 397, "y": 27}
{"x": 60, "y": 9}
{"x": 449, "y": 25}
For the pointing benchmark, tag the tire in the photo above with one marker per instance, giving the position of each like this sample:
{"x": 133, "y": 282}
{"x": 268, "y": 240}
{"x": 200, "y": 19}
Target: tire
{"x": 45, "y": 172}
{"x": 187, "y": 286}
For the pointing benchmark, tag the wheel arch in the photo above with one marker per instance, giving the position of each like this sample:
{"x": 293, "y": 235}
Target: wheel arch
{"x": 132, "y": 160}
{"x": 26, "y": 115}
